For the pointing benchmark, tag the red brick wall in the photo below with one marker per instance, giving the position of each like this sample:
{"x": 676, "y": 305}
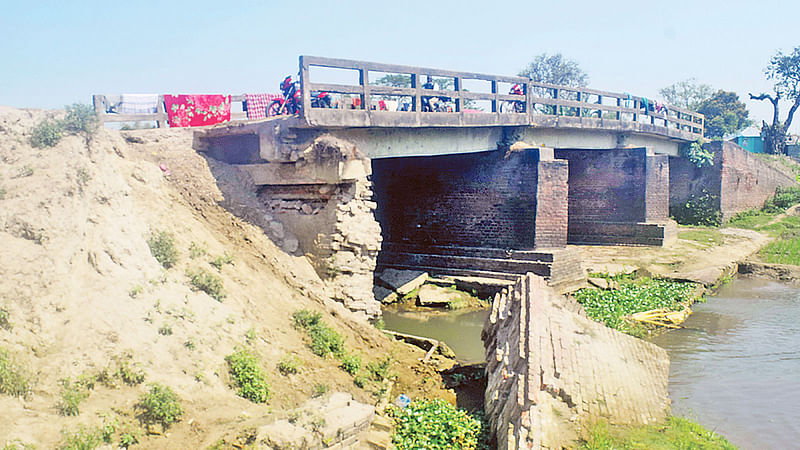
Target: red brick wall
{"x": 477, "y": 200}
{"x": 551, "y": 206}
{"x": 657, "y": 189}
{"x": 606, "y": 185}
{"x": 740, "y": 179}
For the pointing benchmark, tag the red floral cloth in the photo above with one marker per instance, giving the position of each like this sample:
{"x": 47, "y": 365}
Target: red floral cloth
{"x": 257, "y": 104}
{"x": 197, "y": 110}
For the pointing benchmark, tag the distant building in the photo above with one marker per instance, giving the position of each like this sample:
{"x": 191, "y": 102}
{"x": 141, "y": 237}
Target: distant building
{"x": 750, "y": 140}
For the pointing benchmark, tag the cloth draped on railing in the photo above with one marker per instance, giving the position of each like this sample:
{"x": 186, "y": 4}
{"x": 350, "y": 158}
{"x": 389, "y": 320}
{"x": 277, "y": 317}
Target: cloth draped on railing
{"x": 197, "y": 110}
{"x": 132, "y": 103}
{"x": 256, "y": 104}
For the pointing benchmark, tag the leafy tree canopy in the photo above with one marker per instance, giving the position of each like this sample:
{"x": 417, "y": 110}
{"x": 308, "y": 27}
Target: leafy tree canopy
{"x": 687, "y": 94}
{"x": 555, "y": 69}
{"x": 784, "y": 70}
{"x": 725, "y": 114}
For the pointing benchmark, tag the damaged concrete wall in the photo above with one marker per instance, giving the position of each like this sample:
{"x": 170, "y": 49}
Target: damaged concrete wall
{"x": 315, "y": 202}
{"x": 552, "y": 371}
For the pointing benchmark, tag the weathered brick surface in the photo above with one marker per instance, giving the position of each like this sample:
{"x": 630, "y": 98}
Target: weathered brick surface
{"x": 739, "y": 179}
{"x": 552, "y": 371}
{"x": 656, "y": 199}
{"x": 487, "y": 199}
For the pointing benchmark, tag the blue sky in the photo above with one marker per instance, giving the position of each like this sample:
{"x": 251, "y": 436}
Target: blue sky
{"x": 58, "y": 53}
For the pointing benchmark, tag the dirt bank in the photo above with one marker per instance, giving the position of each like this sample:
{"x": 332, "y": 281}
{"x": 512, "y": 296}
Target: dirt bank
{"x": 81, "y": 287}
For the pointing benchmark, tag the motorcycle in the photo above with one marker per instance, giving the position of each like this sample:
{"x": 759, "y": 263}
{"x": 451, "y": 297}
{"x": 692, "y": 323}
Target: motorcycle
{"x": 434, "y": 104}
{"x": 515, "y": 106}
{"x": 292, "y": 100}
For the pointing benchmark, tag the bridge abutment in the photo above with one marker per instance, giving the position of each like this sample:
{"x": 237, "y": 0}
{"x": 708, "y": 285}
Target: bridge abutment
{"x": 618, "y": 196}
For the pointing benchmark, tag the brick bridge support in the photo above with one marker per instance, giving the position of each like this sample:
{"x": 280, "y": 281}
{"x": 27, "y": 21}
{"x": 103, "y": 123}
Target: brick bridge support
{"x": 489, "y": 213}
{"x": 618, "y": 196}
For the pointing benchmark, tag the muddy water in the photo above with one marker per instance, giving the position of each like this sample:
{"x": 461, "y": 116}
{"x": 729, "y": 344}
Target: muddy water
{"x": 460, "y": 330}
{"x": 735, "y": 368}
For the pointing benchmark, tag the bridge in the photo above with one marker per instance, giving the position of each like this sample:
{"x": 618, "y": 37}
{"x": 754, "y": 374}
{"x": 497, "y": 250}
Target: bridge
{"x": 494, "y": 185}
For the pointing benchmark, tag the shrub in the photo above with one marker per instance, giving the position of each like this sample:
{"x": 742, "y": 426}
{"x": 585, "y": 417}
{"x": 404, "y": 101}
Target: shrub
{"x": 14, "y": 379}
{"x": 46, "y": 133}
{"x": 305, "y": 318}
{"x": 123, "y": 370}
{"x": 697, "y": 155}
{"x": 130, "y": 374}
{"x": 208, "y": 283}
{"x": 160, "y": 405}
{"x": 220, "y": 261}
{"x": 700, "y": 210}
{"x": 289, "y": 365}
{"x": 245, "y": 368}
{"x": 196, "y": 251}
{"x": 379, "y": 370}
{"x": 784, "y": 198}
{"x": 81, "y": 119}
{"x": 162, "y": 247}
{"x": 72, "y": 394}
{"x": 5, "y": 317}
{"x": 320, "y": 389}
{"x": 82, "y": 439}
{"x": 434, "y": 424}
{"x": 165, "y": 330}
{"x": 351, "y": 364}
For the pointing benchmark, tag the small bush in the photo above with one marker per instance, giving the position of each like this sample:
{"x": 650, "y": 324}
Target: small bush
{"x": 289, "y": 365}
{"x": 351, "y": 364}
{"x": 81, "y": 119}
{"x": 135, "y": 291}
{"x": 245, "y": 368}
{"x": 220, "y": 261}
{"x": 72, "y": 394}
{"x": 434, "y": 424}
{"x": 5, "y": 319}
{"x": 196, "y": 251}
{"x": 325, "y": 341}
{"x": 130, "y": 374}
{"x": 165, "y": 330}
{"x": 160, "y": 405}
{"x": 190, "y": 344}
{"x": 700, "y": 210}
{"x": 83, "y": 438}
{"x": 46, "y": 133}
{"x": 208, "y": 283}
{"x": 251, "y": 335}
{"x": 361, "y": 381}
{"x": 783, "y": 199}
{"x": 14, "y": 379}
{"x": 319, "y": 390}
{"x": 122, "y": 370}
{"x": 305, "y": 318}
{"x": 379, "y": 370}
{"x": 162, "y": 247}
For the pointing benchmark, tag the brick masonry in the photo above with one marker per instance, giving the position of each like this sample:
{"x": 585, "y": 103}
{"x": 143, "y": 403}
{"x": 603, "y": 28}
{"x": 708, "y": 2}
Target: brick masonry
{"x": 618, "y": 196}
{"x": 739, "y": 179}
{"x": 552, "y": 371}
{"x": 486, "y": 199}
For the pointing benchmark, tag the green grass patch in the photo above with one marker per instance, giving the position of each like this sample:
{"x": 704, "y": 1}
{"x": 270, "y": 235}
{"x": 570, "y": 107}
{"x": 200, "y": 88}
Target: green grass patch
{"x": 644, "y": 294}
{"x": 159, "y": 405}
{"x": 245, "y": 369}
{"x": 350, "y": 364}
{"x": 677, "y": 433}
{"x": 208, "y": 283}
{"x": 324, "y": 339}
{"x": 15, "y": 380}
{"x": 782, "y": 251}
{"x": 162, "y": 247}
{"x": 709, "y": 237}
{"x": 750, "y": 220}
{"x": 434, "y": 424}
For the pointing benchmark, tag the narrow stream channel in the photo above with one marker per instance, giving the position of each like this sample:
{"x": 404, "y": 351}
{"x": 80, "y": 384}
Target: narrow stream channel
{"x": 735, "y": 367}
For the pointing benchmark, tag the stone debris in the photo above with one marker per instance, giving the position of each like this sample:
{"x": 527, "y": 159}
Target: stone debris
{"x": 552, "y": 371}
{"x": 430, "y": 295}
{"x": 402, "y": 281}
{"x": 333, "y": 422}
{"x": 384, "y": 295}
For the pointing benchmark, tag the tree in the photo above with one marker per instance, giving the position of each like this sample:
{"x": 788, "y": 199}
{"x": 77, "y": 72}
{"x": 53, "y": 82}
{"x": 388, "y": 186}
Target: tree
{"x": 555, "y": 69}
{"x": 687, "y": 94}
{"x": 724, "y": 113}
{"x": 784, "y": 70}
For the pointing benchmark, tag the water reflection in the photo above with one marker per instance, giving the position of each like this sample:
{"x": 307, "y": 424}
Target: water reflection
{"x": 735, "y": 368}
{"x": 461, "y": 330}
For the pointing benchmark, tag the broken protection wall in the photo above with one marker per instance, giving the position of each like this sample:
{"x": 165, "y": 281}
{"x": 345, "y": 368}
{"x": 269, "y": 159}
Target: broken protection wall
{"x": 552, "y": 371}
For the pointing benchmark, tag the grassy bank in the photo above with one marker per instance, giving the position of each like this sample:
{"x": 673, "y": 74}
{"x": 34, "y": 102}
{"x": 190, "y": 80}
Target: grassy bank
{"x": 785, "y": 249}
{"x": 678, "y": 432}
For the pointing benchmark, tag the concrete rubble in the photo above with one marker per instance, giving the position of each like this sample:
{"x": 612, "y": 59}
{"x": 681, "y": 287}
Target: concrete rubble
{"x": 402, "y": 281}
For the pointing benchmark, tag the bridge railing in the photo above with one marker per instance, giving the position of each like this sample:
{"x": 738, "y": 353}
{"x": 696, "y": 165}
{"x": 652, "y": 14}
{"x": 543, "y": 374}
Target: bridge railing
{"x": 363, "y": 103}
{"x": 101, "y": 106}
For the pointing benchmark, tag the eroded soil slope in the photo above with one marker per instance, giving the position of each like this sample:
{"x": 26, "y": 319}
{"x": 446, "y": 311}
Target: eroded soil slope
{"x": 81, "y": 288}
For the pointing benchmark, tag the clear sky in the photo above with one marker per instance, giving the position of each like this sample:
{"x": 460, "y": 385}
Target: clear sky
{"x": 61, "y": 52}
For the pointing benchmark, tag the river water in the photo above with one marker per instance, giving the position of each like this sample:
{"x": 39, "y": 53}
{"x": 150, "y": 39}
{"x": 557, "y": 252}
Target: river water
{"x": 735, "y": 367}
